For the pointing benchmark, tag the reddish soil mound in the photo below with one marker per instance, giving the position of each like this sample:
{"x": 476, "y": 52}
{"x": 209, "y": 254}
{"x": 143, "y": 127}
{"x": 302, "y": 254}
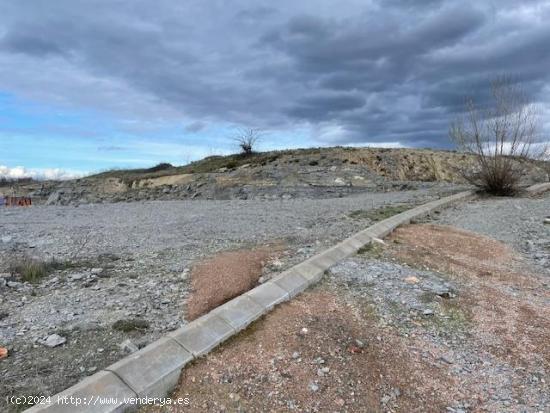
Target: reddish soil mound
{"x": 223, "y": 277}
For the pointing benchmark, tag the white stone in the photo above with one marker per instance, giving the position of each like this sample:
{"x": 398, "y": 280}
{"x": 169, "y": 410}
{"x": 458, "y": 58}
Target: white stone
{"x": 54, "y": 340}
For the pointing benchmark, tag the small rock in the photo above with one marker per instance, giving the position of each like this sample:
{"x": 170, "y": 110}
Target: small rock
{"x": 96, "y": 271}
{"x": 92, "y": 369}
{"x": 54, "y": 340}
{"x": 313, "y": 387}
{"x": 428, "y": 312}
{"x": 322, "y": 371}
{"x": 6, "y": 239}
{"x": 443, "y": 293}
{"x": 385, "y": 399}
{"x": 128, "y": 346}
{"x": 76, "y": 277}
{"x": 547, "y": 220}
{"x": 445, "y": 360}
{"x": 396, "y": 392}
{"x": 304, "y": 331}
{"x": 13, "y": 284}
{"x": 359, "y": 343}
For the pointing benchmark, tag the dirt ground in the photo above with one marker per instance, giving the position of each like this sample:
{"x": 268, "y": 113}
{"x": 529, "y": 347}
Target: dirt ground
{"x": 484, "y": 349}
{"x": 315, "y": 353}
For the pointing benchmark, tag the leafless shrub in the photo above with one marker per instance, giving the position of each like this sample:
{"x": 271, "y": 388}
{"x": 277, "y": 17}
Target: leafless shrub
{"x": 504, "y": 137}
{"x": 247, "y": 140}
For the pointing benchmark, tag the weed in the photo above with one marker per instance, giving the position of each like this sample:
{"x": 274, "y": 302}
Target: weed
{"x": 372, "y": 249}
{"x": 131, "y": 324}
{"x": 33, "y": 270}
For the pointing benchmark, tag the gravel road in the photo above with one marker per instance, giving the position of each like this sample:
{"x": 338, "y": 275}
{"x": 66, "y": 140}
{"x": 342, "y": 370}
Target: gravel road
{"x": 153, "y": 226}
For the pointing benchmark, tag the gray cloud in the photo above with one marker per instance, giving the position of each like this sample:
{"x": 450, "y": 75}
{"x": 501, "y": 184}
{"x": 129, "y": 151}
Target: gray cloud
{"x": 355, "y": 71}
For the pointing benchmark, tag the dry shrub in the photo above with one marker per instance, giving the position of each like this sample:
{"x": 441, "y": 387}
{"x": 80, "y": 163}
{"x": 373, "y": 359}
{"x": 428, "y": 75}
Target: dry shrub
{"x": 504, "y": 136}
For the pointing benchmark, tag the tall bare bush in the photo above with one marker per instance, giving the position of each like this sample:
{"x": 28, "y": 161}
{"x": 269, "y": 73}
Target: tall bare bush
{"x": 247, "y": 140}
{"x": 504, "y": 136}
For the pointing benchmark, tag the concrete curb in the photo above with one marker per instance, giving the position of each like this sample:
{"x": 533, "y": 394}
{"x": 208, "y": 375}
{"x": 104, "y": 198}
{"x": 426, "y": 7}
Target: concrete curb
{"x": 154, "y": 370}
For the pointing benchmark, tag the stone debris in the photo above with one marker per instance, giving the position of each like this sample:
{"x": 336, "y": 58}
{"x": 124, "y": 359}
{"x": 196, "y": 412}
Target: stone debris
{"x": 54, "y": 340}
{"x": 128, "y": 346}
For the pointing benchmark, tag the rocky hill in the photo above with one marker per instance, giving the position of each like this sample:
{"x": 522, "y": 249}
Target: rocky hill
{"x": 315, "y": 173}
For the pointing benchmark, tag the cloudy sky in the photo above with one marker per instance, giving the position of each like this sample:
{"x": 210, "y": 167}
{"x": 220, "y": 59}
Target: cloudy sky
{"x": 90, "y": 84}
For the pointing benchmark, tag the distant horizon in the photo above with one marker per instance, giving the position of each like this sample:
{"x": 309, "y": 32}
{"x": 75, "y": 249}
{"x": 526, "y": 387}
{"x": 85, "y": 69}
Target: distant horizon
{"x": 90, "y": 86}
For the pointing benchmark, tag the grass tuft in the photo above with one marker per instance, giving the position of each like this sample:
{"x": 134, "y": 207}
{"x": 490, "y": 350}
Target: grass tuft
{"x": 131, "y": 324}
{"x": 33, "y": 270}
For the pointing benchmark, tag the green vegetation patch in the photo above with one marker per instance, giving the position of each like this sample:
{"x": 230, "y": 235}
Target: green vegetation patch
{"x": 452, "y": 318}
{"x": 372, "y": 250}
{"x": 33, "y": 270}
{"x": 131, "y": 324}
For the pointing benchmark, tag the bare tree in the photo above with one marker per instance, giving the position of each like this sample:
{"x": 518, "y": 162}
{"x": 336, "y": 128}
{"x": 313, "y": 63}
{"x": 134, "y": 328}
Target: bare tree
{"x": 504, "y": 137}
{"x": 247, "y": 140}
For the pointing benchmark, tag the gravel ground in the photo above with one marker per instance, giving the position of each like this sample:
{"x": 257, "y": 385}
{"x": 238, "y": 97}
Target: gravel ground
{"x": 130, "y": 261}
{"x": 517, "y": 222}
{"x": 465, "y": 304}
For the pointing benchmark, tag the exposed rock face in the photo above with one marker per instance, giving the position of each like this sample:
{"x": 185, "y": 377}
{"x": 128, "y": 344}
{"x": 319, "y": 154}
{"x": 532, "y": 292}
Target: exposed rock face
{"x": 307, "y": 173}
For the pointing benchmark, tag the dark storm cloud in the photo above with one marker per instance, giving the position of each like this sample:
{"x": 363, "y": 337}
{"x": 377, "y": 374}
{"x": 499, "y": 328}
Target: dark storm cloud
{"x": 195, "y": 127}
{"x": 351, "y": 71}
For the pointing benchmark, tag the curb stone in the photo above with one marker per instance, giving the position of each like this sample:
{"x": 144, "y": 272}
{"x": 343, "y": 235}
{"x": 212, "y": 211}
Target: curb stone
{"x": 154, "y": 370}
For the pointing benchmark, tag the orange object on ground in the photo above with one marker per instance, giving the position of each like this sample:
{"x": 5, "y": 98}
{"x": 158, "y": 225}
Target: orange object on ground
{"x": 3, "y": 353}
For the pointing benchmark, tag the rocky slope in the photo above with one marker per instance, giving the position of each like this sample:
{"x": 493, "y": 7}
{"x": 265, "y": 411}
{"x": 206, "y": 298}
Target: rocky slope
{"x": 309, "y": 173}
